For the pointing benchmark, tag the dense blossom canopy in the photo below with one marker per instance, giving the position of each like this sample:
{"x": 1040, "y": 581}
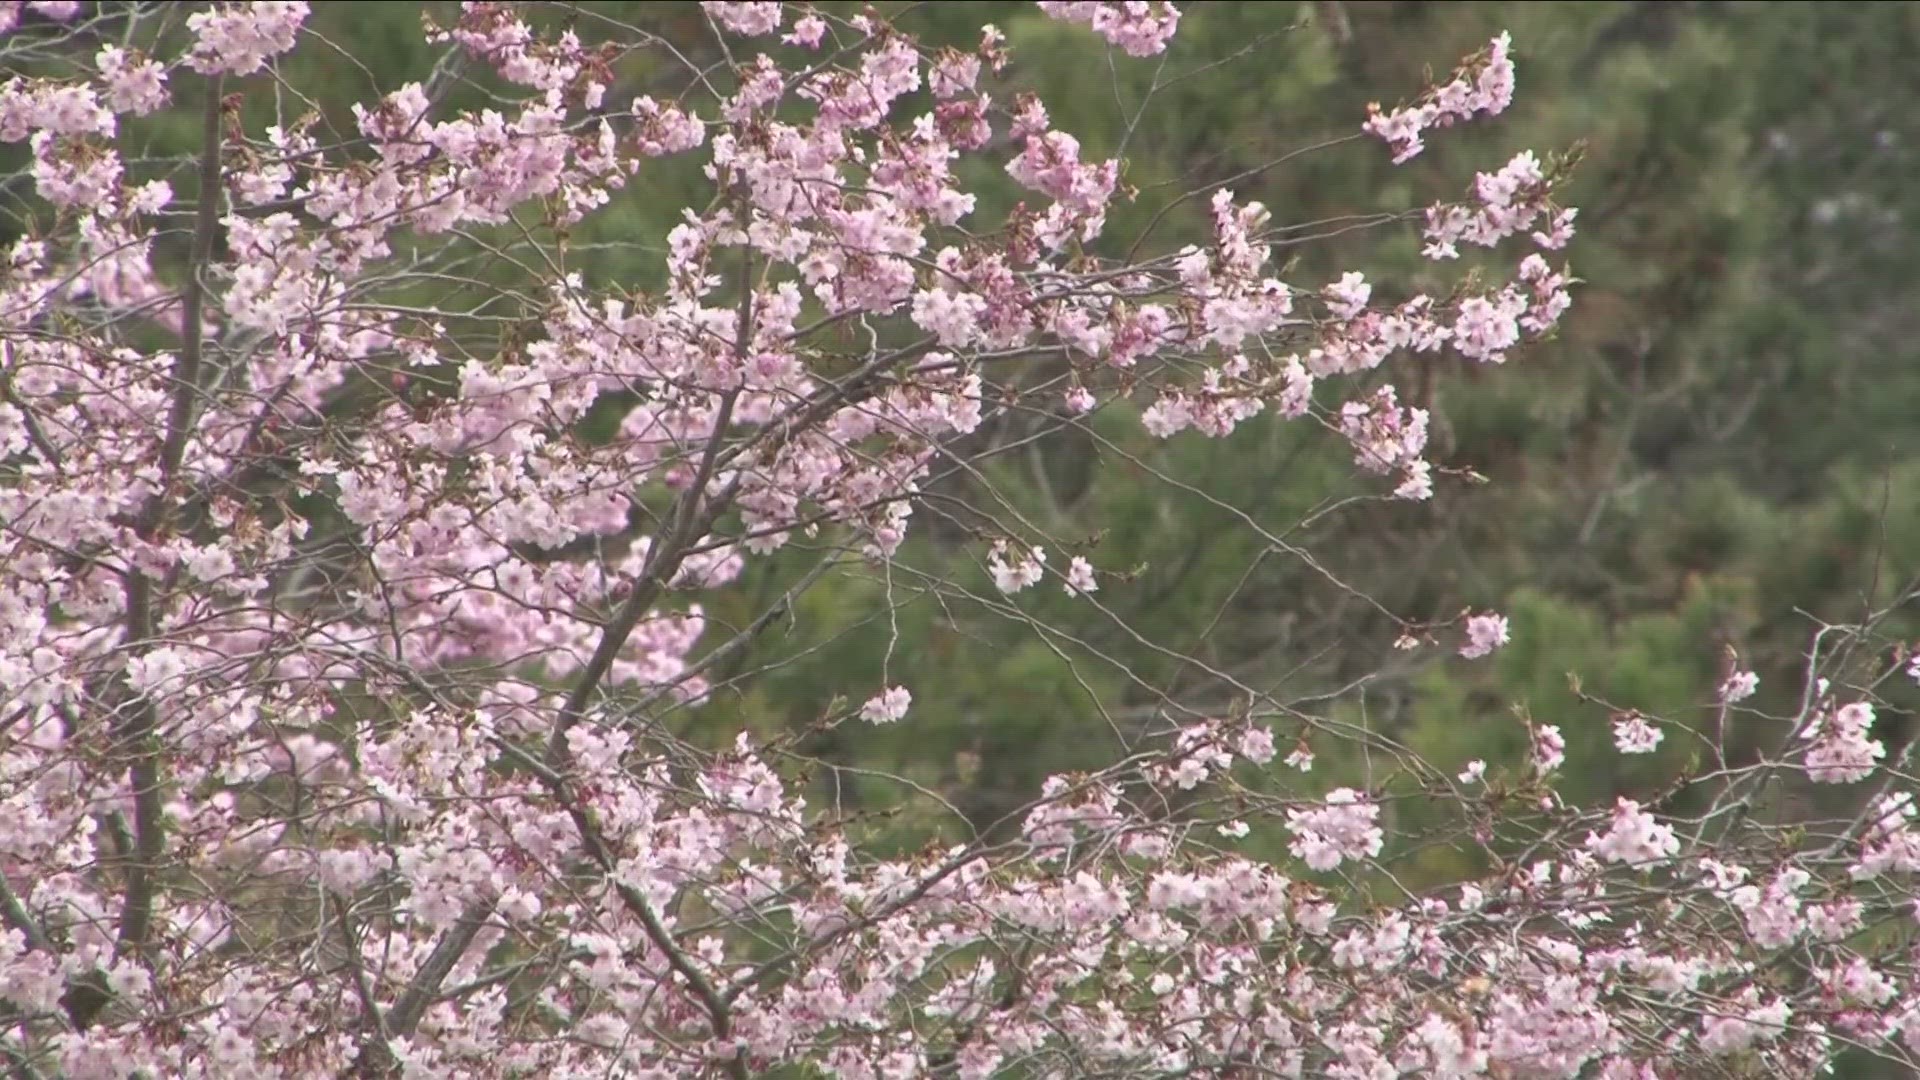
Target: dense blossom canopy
{"x": 331, "y": 648}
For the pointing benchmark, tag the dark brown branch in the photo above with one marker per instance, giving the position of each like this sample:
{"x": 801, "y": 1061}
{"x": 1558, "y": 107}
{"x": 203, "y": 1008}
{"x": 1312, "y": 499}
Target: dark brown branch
{"x": 376, "y": 1054}
{"x": 694, "y": 515}
{"x": 186, "y": 392}
{"x": 440, "y": 963}
{"x": 136, "y": 733}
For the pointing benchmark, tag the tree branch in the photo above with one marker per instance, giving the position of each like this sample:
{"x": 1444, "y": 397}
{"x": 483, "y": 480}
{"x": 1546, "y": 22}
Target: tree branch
{"x": 694, "y": 515}
{"x": 137, "y": 732}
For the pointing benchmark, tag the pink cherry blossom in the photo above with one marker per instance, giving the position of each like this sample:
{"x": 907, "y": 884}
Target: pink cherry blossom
{"x": 1080, "y": 580}
{"x": 1841, "y": 752}
{"x": 238, "y": 39}
{"x": 1341, "y": 828}
{"x": 1739, "y": 686}
{"x": 1549, "y": 749}
{"x": 1138, "y": 27}
{"x": 134, "y": 84}
{"x": 808, "y": 32}
{"x": 746, "y": 19}
{"x": 1634, "y": 837}
{"x": 1483, "y": 86}
{"x": 1633, "y": 734}
{"x": 1485, "y": 633}
{"x": 887, "y": 707}
{"x": 1013, "y": 571}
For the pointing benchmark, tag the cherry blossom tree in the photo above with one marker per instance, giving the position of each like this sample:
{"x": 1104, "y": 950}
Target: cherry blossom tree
{"x": 338, "y": 652}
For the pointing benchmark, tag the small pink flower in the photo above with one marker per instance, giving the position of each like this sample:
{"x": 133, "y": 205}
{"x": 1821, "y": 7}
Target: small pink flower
{"x": 1634, "y": 735}
{"x": 1739, "y": 686}
{"x": 1080, "y": 581}
{"x": 1635, "y": 837}
{"x": 1485, "y": 633}
{"x": 887, "y": 707}
{"x": 807, "y": 33}
{"x": 746, "y": 19}
{"x": 1343, "y": 827}
{"x": 1013, "y": 576}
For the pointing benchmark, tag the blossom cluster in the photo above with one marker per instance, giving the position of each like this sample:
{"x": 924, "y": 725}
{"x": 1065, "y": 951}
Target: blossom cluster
{"x": 1136, "y": 26}
{"x": 1482, "y": 87}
